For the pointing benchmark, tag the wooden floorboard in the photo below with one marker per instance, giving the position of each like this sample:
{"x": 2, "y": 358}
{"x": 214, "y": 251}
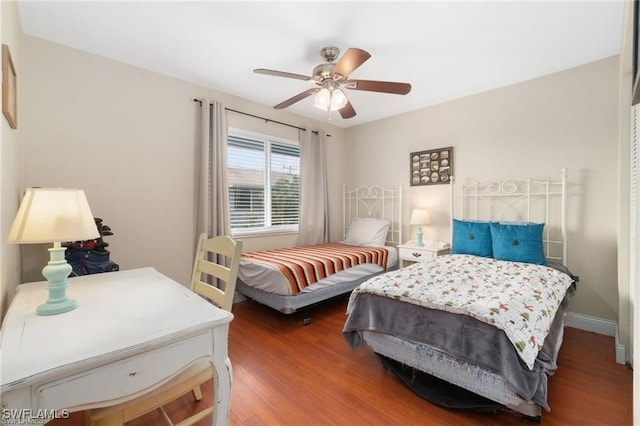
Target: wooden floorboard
{"x": 289, "y": 374}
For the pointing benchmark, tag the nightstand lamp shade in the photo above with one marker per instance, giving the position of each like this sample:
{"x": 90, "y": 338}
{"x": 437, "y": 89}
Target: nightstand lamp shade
{"x": 420, "y": 217}
{"x": 54, "y": 215}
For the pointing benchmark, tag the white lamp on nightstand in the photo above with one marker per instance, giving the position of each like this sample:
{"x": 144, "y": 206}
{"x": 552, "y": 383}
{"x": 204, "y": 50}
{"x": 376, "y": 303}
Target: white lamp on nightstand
{"x": 420, "y": 217}
{"x": 54, "y": 215}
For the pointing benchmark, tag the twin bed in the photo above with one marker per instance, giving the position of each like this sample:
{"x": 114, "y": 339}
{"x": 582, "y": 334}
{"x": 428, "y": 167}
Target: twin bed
{"x": 489, "y": 317}
{"x": 290, "y": 279}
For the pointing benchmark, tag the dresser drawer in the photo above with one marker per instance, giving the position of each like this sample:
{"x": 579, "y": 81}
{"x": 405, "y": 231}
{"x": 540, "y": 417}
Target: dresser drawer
{"x": 138, "y": 374}
{"x": 413, "y": 253}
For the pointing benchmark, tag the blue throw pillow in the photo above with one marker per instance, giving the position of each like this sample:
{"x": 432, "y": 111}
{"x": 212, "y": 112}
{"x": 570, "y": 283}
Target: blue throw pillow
{"x": 471, "y": 237}
{"x": 518, "y": 243}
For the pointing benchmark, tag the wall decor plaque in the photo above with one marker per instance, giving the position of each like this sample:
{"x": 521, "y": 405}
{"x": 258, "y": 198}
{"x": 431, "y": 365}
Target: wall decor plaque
{"x": 431, "y": 167}
{"x": 9, "y": 89}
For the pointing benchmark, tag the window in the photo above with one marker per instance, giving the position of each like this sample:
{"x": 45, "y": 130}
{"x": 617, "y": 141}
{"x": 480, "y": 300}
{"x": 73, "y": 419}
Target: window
{"x": 264, "y": 183}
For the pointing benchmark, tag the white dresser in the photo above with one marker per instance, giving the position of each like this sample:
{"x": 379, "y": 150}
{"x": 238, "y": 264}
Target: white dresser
{"x": 132, "y": 332}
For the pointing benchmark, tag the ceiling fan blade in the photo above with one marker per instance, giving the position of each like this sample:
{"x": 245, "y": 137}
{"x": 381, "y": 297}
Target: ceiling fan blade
{"x": 349, "y": 62}
{"x": 297, "y": 98}
{"x": 347, "y": 111}
{"x": 282, "y": 74}
{"x": 378, "y": 86}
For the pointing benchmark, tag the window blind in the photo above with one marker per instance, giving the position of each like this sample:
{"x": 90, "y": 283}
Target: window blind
{"x": 264, "y": 184}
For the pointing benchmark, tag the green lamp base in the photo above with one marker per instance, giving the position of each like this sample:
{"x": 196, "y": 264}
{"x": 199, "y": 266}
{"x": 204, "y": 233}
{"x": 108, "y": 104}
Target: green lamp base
{"x": 55, "y": 308}
{"x": 419, "y": 242}
{"x": 56, "y": 273}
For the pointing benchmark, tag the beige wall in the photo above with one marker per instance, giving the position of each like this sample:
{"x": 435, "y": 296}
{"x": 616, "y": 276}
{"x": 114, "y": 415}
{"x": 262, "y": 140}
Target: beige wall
{"x": 127, "y": 136}
{"x": 10, "y": 161}
{"x": 532, "y": 129}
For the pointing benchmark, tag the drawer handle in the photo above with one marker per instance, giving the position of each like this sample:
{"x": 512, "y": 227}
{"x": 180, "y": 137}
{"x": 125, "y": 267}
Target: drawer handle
{"x": 133, "y": 374}
{"x": 416, "y": 254}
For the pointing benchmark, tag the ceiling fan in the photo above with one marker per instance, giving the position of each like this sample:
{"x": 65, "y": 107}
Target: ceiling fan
{"x": 330, "y": 78}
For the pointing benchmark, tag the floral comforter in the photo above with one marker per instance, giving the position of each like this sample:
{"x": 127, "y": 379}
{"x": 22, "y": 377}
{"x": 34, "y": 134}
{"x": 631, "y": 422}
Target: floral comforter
{"x": 519, "y": 298}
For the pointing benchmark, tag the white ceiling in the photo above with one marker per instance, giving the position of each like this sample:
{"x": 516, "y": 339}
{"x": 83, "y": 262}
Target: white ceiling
{"x": 445, "y": 49}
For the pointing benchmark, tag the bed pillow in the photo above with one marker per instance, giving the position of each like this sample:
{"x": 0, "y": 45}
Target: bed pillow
{"x": 518, "y": 242}
{"x": 471, "y": 237}
{"x": 368, "y": 232}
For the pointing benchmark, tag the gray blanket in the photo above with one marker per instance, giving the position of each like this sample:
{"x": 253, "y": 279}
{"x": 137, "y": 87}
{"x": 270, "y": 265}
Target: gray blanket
{"x": 461, "y": 337}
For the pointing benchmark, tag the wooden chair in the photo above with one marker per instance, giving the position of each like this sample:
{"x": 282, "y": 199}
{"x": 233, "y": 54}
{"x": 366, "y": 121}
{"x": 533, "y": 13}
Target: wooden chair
{"x": 207, "y": 272}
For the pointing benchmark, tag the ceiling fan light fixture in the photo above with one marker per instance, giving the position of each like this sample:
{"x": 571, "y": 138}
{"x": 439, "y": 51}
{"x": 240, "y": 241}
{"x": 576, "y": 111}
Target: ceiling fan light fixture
{"x": 330, "y": 100}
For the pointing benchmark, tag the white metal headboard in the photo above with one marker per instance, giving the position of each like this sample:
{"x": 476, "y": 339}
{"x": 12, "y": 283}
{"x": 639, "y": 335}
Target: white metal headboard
{"x": 516, "y": 199}
{"x": 377, "y": 202}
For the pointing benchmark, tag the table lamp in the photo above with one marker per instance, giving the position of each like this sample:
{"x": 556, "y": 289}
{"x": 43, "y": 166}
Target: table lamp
{"x": 54, "y": 215}
{"x": 420, "y": 217}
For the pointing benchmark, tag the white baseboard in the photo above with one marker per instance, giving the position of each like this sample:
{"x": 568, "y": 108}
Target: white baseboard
{"x": 589, "y": 323}
{"x": 621, "y": 352}
{"x": 600, "y": 326}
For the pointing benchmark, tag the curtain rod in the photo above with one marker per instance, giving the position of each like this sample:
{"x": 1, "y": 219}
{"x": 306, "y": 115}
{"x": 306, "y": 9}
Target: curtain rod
{"x": 264, "y": 118}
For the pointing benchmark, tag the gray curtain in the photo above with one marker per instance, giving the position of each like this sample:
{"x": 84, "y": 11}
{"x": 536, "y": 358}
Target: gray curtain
{"x": 212, "y": 210}
{"x": 314, "y": 206}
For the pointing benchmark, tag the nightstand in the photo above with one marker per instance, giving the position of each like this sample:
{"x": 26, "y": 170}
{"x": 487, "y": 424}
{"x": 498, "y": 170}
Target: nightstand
{"x": 410, "y": 252}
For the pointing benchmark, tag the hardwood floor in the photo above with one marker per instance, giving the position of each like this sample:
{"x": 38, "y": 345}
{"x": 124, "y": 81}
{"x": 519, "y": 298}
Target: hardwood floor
{"x": 289, "y": 374}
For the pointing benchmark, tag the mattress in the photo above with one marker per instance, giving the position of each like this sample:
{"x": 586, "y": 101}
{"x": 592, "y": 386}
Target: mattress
{"x": 290, "y": 304}
{"x": 266, "y": 279}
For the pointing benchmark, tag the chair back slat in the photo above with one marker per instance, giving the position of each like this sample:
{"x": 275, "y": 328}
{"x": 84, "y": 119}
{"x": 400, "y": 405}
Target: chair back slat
{"x": 214, "y": 269}
{"x": 216, "y": 295}
{"x": 217, "y": 259}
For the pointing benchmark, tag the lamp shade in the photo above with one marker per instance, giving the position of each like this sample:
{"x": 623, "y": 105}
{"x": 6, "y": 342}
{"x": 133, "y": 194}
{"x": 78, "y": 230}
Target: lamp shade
{"x": 420, "y": 217}
{"x": 53, "y": 215}
{"x": 338, "y": 100}
{"x": 323, "y": 99}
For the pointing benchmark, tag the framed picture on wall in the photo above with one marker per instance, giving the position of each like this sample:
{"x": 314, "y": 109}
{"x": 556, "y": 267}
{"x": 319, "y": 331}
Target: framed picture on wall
{"x": 431, "y": 167}
{"x": 9, "y": 88}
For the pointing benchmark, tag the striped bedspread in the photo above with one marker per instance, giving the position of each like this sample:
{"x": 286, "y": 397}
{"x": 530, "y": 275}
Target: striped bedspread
{"x": 306, "y": 265}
